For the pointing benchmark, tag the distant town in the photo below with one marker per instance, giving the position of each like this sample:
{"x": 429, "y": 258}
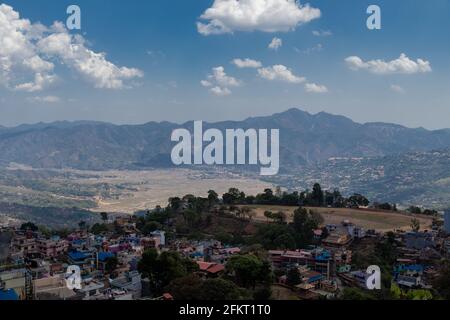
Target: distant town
{"x": 272, "y": 246}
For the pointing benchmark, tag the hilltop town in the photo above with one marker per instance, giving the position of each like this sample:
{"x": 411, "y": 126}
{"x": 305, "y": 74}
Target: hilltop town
{"x": 220, "y": 248}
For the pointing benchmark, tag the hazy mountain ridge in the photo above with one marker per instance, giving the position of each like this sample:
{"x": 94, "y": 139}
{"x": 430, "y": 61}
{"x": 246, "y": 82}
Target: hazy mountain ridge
{"x": 418, "y": 178}
{"x": 304, "y": 139}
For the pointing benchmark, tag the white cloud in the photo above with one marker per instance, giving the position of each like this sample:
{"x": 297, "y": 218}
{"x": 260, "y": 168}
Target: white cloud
{"x": 227, "y": 16}
{"x": 223, "y": 79}
{"x": 206, "y": 83}
{"x": 315, "y": 88}
{"x": 218, "y": 91}
{"x": 402, "y": 65}
{"x": 322, "y": 33}
{"x": 246, "y": 63}
{"x": 316, "y": 48}
{"x": 91, "y": 65}
{"x": 220, "y": 82}
{"x": 39, "y": 83}
{"x": 18, "y": 59}
{"x": 45, "y": 99}
{"x": 27, "y": 53}
{"x": 275, "y": 44}
{"x": 280, "y": 73}
{"x": 397, "y": 88}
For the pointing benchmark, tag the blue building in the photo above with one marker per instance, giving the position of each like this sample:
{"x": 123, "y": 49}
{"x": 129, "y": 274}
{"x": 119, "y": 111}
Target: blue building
{"x": 8, "y": 295}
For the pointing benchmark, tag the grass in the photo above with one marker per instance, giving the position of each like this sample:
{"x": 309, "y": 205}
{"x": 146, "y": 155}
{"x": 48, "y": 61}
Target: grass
{"x": 381, "y": 221}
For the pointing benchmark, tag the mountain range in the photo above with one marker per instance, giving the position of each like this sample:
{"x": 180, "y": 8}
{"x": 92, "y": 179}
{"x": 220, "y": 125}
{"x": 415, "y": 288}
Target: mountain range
{"x": 305, "y": 139}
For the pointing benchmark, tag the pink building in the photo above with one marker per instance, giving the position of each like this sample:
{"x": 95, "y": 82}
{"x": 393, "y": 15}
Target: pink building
{"x": 51, "y": 248}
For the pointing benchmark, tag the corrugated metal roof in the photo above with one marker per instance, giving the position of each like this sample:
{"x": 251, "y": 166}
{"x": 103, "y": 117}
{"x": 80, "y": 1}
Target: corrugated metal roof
{"x": 8, "y": 295}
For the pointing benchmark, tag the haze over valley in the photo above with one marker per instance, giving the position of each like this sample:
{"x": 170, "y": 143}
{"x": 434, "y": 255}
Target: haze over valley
{"x": 123, "y": 169}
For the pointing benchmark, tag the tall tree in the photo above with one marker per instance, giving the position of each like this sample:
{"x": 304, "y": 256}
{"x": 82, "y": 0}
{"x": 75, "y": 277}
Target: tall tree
{"x": 213, "y": 197}
{"x": 317, "y": 196}
{"x": 104, "y": 216}
{"x": 163, "y": 268}
{"x": 304, "y": 224}
{"x": 415, "y": 225}
{"x": 442, "y": 282}
{"x": 111, "y": 264}
{"x": 248, "y": 270}
{"x": 293, "y": 277}
{"x": 82, "y": 225}
{"x": 193, "y": 288}
{"x": 29, "y": 226}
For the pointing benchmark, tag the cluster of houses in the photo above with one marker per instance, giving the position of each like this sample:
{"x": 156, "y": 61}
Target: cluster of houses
{"x": 327, "y": 268}
{"x": 34, "y": 267}
{"x": 319, "y": 266}
{"x": 210, "y": 255}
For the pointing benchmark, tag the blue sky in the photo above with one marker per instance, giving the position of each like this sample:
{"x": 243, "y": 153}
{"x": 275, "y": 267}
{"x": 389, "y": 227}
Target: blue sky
{"x": 167, "y": 58}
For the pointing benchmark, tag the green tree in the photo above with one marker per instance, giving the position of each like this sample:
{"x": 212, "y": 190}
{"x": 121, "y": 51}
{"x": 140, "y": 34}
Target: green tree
{"x": 262, "y": 293}
{"x": 99, "y": 228}
{"x": 316, "y": 218}
{"x": 192, "y": 287}
{"x": 293, "y": 277}
{"x": 111, "y": 264}
{"x": 104, "y": 216}
{"x": 248, "y": 270}
{"x": 396, "y": 292}
{"x": 358, "y": 200}
{"x": 275, "y": 236}
{"x": 415, "y": 210}
{"x": 415, "y": 225}
{"x": 442, "y": 281}
{"x": 82, "y": 225}
{"x": 213, "y": 197}
{"x": 233, "y": 196}
{"x": 419, "y": 294}
{"x": 221, "y": 290}
{"x": 268, "y": 215}
{"x": 150, "y": 227}
{"x": 29, "y": 226}
{"x": 192, "y": 218}
{"x": 279, "y": 217}
{"x": 175, "y": 204}
{"x": 317, "y": 196}
{"x": 303, "y": 225}
{"x": 163, "y": 268}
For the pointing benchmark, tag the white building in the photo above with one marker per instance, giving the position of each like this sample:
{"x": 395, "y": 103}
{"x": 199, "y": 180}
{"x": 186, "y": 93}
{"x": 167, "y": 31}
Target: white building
{"x": 161, "y": 235}
{"x": 130, "y": 282}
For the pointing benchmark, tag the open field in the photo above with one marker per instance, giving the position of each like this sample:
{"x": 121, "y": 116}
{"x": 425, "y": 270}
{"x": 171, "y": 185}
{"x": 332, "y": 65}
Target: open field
{"x": 382, "y": 221}
{"x": 127, "y": 191}
{"x": 115, "y": 191}
{"x": 147, "y": 189}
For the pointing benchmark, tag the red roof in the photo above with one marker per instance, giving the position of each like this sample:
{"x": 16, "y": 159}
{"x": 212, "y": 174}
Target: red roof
{"x": 318, "y": 232}
{"x": 212, "y": 268}
{"x": 167, "y": 296}
{"x": 216, "y": 269}
{"x": 204, "y": 265}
